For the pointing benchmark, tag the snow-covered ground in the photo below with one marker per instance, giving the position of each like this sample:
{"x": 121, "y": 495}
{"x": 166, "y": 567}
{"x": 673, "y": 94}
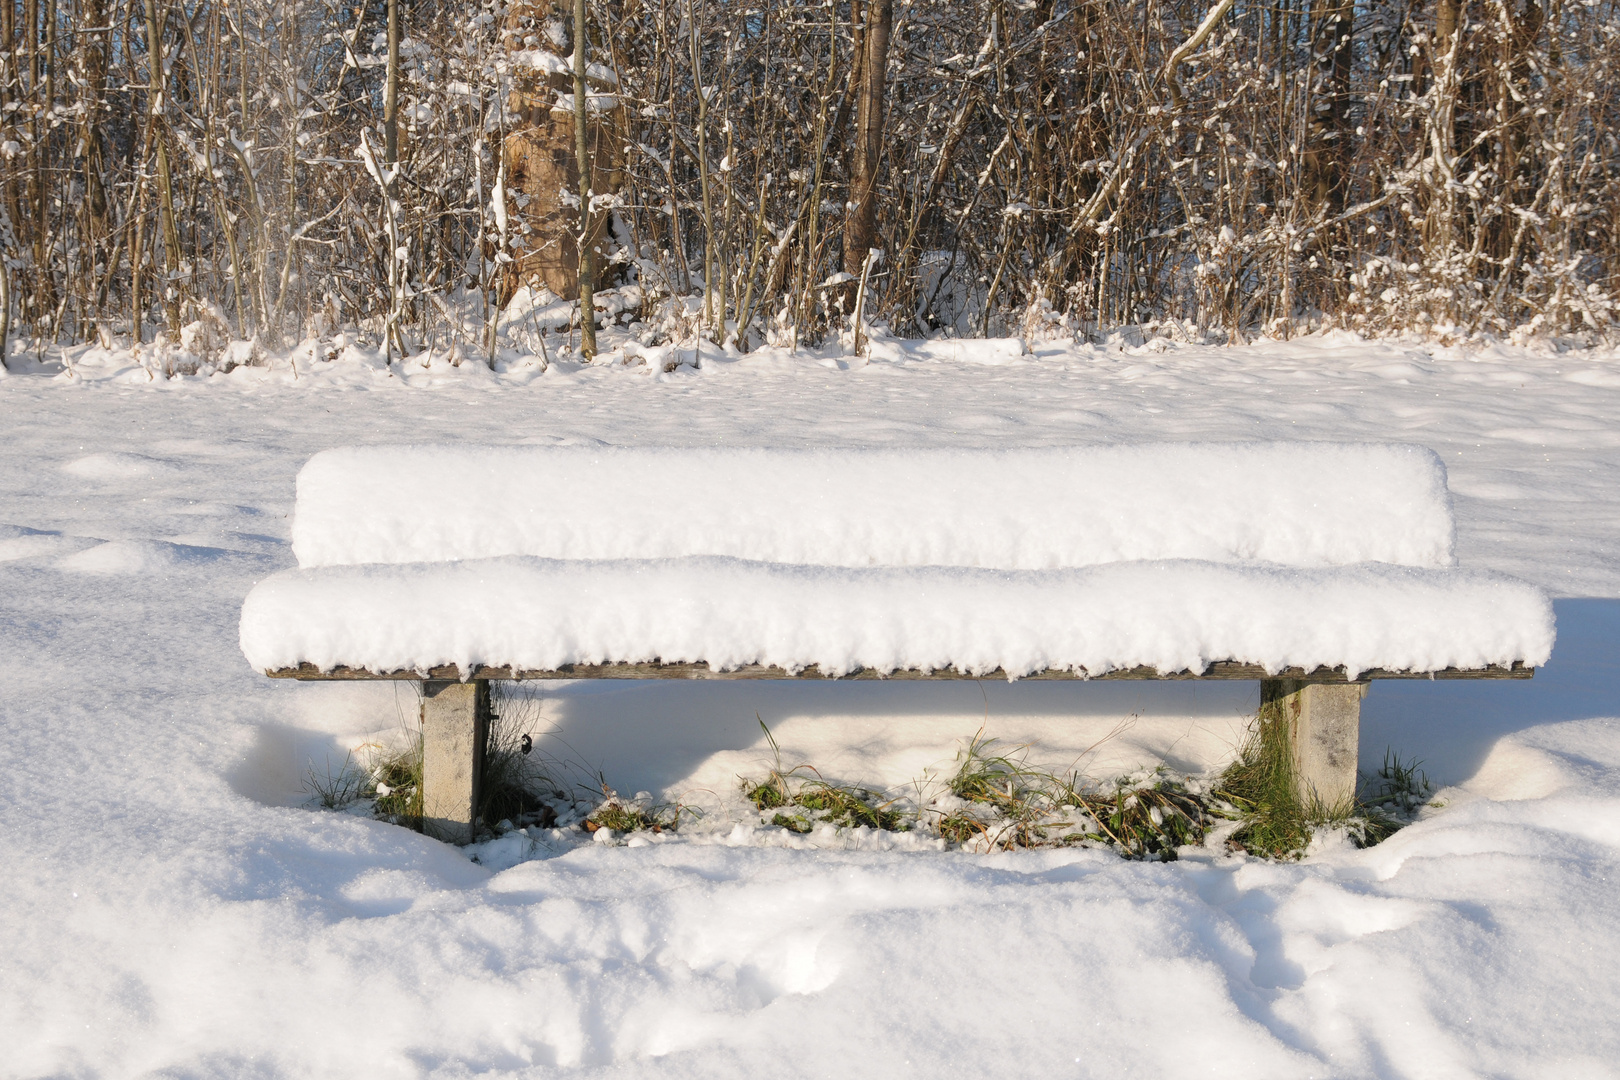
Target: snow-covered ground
{"x": 168, "y": 907}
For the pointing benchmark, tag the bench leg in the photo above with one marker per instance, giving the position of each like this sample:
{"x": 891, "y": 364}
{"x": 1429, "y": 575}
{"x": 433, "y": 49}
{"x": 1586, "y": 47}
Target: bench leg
{"x": 455, "y": 728}
{"x": 1324, "y": 732}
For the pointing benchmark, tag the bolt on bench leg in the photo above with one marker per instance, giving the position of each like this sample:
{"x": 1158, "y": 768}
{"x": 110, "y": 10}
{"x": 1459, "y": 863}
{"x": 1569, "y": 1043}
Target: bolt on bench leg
{"x": 1324, "y": 732}
{"x": 455, "y": 728}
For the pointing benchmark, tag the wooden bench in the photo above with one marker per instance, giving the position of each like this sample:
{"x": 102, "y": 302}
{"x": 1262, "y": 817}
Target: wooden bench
{"x": 1312, "y": 568}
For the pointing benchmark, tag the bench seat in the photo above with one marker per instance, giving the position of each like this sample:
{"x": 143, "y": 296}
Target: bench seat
{"x": 521, "y": 613}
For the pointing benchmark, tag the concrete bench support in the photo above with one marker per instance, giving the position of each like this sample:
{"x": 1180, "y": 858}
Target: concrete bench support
{"x": 455, "y": 729}
{"x": 1324, "y": 731}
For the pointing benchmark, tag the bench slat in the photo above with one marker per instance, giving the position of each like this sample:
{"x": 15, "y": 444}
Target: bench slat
{"x": 1224, "y": 669}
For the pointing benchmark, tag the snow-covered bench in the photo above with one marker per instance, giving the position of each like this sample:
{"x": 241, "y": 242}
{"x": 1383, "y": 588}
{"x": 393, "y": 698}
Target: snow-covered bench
{"x": 1312, "y": 567}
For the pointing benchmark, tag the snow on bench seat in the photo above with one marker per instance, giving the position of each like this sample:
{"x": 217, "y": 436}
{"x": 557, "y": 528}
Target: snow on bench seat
{"x": 531, "y": 613}
{"x": 1296, "y": 504}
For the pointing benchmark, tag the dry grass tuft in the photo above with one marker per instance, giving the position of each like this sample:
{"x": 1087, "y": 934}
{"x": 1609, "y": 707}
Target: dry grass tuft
{"x": 817, "y": 800}
{"x": 998, "y": 800}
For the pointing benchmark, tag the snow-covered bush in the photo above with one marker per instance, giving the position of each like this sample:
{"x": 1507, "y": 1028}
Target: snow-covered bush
{"x": 1060, "y": 167}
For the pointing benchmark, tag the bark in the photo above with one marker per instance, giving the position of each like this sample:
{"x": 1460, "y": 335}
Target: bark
{"x": 1328, "y": 143}
{"x": 1446, "y": 16}
{"x": 1193, "y": 43}
{"x": 5, "y": 301}
{"x": 1518, "y": 182}
{"x": 165, "y": 182}
{"x": 540, "y": 154}
{"x": 702, "y": 158}
{"x": 860, "y": 222}
{"x": 10, "y": 91}
{"x": 582, "y": 155}
{"x": 93, "y": 71}
{"x": 391, "y": 89}
{"x": 1441, "y": 227}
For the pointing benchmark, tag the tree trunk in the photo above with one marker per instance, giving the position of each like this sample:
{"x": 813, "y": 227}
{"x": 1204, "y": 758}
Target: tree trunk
{"x": 5, "y": 302}
{"x": 860, "y": 221}
{"x": 391, "y": 89}
{"x": 541, "y": 157}
{"x": 1441, "y": 227}
{"x": 1327, "y": 157}
{"x": 394, "y": 334}
{"x": 710, "y": 320}
{"x": 93, "y": 75}
{"x": 582, "y": 156}
{"x": 1446, "y": 14}
{"x": 1519, "y": 178}
{"x": 171, "y": 234}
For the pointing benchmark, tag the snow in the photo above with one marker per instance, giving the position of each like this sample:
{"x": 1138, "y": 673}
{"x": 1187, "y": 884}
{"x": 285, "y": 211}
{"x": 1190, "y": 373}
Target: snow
{"x": 610, "y": 533}
{"x": 172, "y": 909}
{"x": 1299, "y": 504}
{"x": 19, "y": 542}
{"x": 136, "y": 557}
{"x": 115, "y": 467}
{"x": 1173, "y": 616}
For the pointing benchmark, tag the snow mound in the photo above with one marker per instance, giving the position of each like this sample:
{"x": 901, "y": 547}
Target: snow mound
{"x": 21, "y": 542}
{"x": 1297, "y": 504}
{"x": 137, "y": 557}
{"x": 119, "y": 466}
{"x": 984, "y": 352}
{"x": 1175, "y": 615}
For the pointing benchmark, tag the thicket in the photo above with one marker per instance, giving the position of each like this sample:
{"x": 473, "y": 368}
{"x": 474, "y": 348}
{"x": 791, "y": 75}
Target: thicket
{"x": 273, "y": 170}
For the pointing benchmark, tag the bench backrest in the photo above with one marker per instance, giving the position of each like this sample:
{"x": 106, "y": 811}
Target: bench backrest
{"x": 1300, "y": 504}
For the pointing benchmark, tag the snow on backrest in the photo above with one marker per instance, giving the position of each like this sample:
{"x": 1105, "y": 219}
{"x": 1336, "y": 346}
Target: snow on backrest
{"x": 1299, "y": 504}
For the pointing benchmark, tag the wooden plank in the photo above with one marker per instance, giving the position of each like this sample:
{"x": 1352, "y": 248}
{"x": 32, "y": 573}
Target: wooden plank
{"x": 1223, "y": 669}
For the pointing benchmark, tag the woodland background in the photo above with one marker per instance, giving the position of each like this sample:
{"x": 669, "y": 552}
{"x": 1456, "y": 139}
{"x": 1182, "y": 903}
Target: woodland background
{"x": 272, "y": 170}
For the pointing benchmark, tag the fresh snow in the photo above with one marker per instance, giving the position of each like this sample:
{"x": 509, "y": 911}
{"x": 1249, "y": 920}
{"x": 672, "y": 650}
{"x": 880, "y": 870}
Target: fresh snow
{"x": 171, "y": 908}
{"x": 885, "y": 558}
{"x": 1172, "y": 615}
{"x": 1299, "y": 504}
